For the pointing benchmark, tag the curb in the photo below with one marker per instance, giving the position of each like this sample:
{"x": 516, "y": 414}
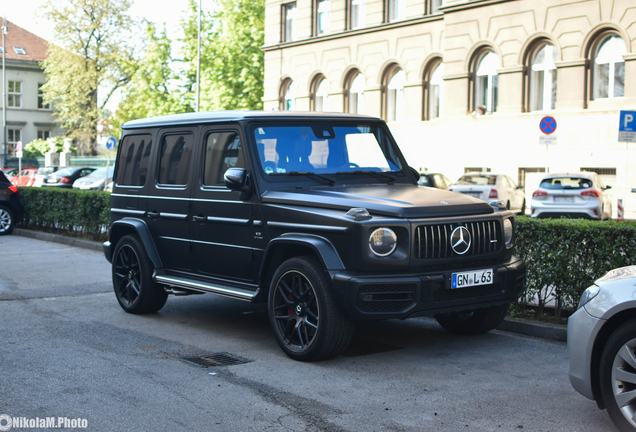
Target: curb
{"x": 56, "y": 238}
{"x": 522, "y": 326}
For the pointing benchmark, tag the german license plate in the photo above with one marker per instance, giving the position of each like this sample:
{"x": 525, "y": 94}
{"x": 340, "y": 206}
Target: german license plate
{"x": 473, "y": 194}
{"x": 472, "y": 278}
{"x": 564, "y": 199}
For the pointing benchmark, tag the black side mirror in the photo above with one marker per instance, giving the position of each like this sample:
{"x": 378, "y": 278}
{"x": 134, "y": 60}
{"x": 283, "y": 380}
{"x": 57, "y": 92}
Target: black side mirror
{"x": 415, "y": 173}
{"x": 236, "y": 179}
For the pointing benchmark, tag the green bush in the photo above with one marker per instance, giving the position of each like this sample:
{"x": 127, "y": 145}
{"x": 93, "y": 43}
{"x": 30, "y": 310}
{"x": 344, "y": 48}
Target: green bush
{"x": 564, "y": 256}
{"x": 70, "y": 212}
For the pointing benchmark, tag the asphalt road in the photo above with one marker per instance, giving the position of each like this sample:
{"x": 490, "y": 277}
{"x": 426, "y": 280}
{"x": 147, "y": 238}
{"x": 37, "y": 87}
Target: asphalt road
{"x": 68, "y": 350}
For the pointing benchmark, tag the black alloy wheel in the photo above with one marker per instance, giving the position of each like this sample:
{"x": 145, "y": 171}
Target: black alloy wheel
{"x": 7, "y": 220}
{"x": 134, "y": 286}
{"x": 307, "y": 324}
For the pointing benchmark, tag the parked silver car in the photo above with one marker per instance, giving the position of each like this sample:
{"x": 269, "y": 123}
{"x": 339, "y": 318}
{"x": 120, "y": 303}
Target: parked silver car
{"x": 492, "y": 187}
{"x": 578, "y": 194}
{"x": 602, "y": 346}
{"x": 97, "y": 180}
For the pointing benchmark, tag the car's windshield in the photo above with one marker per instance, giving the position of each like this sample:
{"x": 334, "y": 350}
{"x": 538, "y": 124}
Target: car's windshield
{"x": 566, "y": 183}
{"x": 64, "y": 172}
{"x": 479, "y": 180}
{"x": 45, "y": 170}
{"x": 101, "y": 172}
{"x": 325, "y": 149}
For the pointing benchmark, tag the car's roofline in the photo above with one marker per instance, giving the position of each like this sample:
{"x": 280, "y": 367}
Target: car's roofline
{"x": 222, "y": 116}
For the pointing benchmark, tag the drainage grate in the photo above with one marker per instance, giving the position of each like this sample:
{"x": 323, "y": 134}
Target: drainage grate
{"x": 217, "y": 359}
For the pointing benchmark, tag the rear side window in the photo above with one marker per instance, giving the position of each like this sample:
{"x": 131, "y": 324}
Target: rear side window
{"x": 223, "y": 150}
{"x": 174, "y": 159}
{"x": 133, "y": 160}
{"x": 478, "y": 180}
{"x": 566, "y": 183}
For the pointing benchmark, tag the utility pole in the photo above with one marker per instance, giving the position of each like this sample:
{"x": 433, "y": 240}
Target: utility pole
{"x": 4, "y": 94}
{"x": 199, "y": 59}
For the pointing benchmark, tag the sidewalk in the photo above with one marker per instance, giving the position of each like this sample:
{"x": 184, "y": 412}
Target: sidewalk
{"x": 514, "y": 325}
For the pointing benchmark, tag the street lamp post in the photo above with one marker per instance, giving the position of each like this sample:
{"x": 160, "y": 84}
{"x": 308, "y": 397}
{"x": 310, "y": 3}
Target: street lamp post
{"x": 4, "y": 94}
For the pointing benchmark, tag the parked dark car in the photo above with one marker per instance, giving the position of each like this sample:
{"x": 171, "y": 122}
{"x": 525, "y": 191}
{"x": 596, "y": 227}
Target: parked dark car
{"x": 317, "y": 215}
{"x": 65, "y": 177}
{"x": 11, "y": 210}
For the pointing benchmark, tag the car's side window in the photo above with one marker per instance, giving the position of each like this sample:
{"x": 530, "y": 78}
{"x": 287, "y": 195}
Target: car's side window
{"x": 223, "y": 150}
{"x": 133, "y": 160}
{"x": 174, "y": 159}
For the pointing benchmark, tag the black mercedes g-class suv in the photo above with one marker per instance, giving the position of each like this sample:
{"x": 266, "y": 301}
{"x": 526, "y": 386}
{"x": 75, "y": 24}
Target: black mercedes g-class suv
{"x": 316, "y": 214}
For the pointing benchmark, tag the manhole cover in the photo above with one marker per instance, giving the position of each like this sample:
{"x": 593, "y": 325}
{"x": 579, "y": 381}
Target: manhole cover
{"x": 218, "y": 359}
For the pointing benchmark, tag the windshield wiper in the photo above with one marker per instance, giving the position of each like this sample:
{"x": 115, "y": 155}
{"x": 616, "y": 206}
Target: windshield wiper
{"x": 369, "y": 172}
{"x": 329, "y": 180}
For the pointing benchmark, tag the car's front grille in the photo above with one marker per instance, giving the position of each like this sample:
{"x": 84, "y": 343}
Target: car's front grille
{"x": 434, "y": 241}
{"x": 386, "y": 297}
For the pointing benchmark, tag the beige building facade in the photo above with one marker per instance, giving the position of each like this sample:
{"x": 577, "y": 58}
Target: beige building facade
{"x": 465, "y": 84}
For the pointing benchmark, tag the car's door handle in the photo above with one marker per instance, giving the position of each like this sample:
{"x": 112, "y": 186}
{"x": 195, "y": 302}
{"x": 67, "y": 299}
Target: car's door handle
{"x": 153, "y": 214}
{"x": 199, "y": 218}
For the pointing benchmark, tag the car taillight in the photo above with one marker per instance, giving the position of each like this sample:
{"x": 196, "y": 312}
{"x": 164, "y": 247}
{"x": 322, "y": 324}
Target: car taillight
{"x": 538, "y": 193}
{"x": 591, "y": 193}
{"x": 493, "y": 193}
{"x": 14, "y": 189}
{"x": 64, "y": 180}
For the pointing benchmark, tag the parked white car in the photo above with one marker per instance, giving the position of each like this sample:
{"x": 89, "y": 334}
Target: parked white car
{"x": 97, "y": 180}
{"x": 577, "y": 194}
{"x": 492, "y": 187}
{"x": 602, "y": 346}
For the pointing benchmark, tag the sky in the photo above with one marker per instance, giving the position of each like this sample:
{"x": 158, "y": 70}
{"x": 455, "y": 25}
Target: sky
{"x": 23, "y": 13}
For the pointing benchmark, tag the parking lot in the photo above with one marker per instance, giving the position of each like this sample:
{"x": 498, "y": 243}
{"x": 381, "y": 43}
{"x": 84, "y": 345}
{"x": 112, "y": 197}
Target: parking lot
{"x": 68, "y": 350}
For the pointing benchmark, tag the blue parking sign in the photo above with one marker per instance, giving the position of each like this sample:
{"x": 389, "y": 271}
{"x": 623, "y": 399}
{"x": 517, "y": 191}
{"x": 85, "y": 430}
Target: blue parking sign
{"x": 627, "y": 126}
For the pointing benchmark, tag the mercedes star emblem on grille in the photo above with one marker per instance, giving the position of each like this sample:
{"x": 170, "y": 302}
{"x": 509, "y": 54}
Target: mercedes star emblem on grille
{"x": 460, "y": 240}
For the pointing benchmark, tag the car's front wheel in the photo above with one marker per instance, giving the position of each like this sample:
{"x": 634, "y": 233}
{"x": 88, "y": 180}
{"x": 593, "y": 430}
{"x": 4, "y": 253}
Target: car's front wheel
{"x": 7, "y": 220}
{"x": 135, "y": 288}
{"x": 307, "y": 323}
{"x": 618, "y": 376}
{"x": 474, "y": 321}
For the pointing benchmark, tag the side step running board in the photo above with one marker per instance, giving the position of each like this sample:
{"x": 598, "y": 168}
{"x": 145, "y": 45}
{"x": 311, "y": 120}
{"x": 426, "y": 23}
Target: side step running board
{"x": 224, "y": 290}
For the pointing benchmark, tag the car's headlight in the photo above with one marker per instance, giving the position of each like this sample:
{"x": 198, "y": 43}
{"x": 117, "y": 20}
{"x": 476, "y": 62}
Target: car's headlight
{"x": 383, "y": 242}
{"x": 508, "y": 232}
{"x": 588, "y": 295}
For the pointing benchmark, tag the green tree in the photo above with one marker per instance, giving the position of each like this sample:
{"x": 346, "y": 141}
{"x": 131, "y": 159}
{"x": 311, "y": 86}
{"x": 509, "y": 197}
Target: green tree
{"x": 94, "y": 55}
{"x": 152, "y": 90}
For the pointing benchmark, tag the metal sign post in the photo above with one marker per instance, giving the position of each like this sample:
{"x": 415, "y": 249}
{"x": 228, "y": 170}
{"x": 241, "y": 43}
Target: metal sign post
{"x": 627, "y": 134}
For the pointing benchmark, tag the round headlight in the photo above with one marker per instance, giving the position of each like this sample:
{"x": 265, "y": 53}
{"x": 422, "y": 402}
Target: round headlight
{"x": 508, "y": 231}
{"x": 383, "y": 242}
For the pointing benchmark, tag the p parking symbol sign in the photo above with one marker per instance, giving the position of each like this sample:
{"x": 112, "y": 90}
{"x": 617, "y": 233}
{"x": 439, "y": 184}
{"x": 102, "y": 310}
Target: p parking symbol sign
{"x": 627, "y": 126}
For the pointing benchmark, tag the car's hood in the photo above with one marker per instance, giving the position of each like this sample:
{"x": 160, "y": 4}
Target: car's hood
{"x": 395, "y": 200}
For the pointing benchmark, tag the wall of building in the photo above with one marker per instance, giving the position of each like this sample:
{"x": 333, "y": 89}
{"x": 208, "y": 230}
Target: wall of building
{"x": 504, "y": 141}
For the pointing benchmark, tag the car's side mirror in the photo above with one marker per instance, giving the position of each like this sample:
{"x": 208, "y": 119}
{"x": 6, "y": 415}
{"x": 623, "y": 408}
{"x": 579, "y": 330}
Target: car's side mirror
{"x": 238, "y": 179}
{"x": 415, "y": 173}
{"x": 608, "y": 187}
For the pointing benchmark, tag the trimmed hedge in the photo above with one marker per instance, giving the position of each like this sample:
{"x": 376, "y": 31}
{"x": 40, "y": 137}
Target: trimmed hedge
{"x": 565, "y": 256}
{"x": 70, "y": 212}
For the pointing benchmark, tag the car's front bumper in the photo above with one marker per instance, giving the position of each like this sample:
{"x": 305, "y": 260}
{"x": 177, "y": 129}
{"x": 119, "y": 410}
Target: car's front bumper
{"x": 385, "y": 296}
{"x": 582, "y": 331}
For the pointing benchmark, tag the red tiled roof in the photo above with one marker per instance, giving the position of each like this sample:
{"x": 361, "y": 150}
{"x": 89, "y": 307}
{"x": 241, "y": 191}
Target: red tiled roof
{"x": 18, "y": 37}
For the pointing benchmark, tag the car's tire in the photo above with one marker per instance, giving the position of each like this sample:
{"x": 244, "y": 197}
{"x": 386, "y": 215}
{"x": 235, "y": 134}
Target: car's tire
{"x": 134, "y": 285}
{"x": 473, "y": 322}
{"x": 7, "y": 220}
{"x": 307, "y": 323}
{"x": 617, "y": 372}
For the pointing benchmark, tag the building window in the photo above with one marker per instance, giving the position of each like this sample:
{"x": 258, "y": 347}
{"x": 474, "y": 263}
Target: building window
{"x": 289, "y": 96}
{"x": 322, "y": 17}
{"x": 396, "y": 10}
{"x": 487, "y": 83}
{"x": 358, "y": 13}
{"x": 609, "y": 68}
{"x": 289, "y": 22}
{"x": 43, "y": 134}
{"x": 356, "y": 94}
{"x": 13, "y": 136}
{"x": 435, "y": 5}
{"x": 19, "y": 50}
{"x": 41, "y": 103}
{"x": 14, "y": 94}
{"x": 435, "y": 92}
{"x": 321, "y": 95}
{"x": 543, "y": 79}
{"x": 395, "y": 95}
